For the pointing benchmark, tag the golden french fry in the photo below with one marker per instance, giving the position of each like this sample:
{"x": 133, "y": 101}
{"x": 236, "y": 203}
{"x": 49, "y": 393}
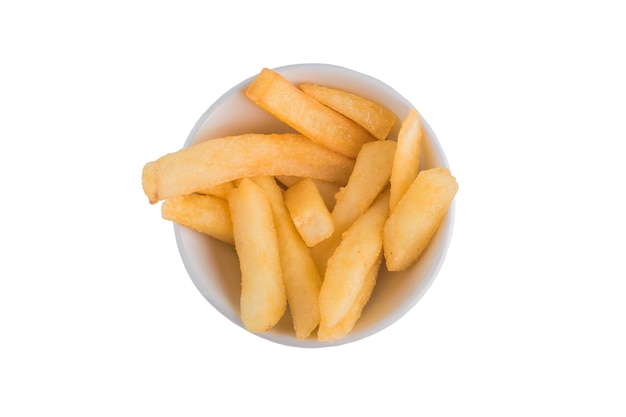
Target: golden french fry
{"x": 352, "y": 260}
{"x": 220, "y": 190}
{"x": 302, "y": 280}
{"x": 327, "y": 189}
{"x": 344, "y": 326}
{"x": 374, "y": 117}
{"x": 279, "y": 97}
{"x": 406, "y": 160}
{"x": 203, "y": 213}
{"x": 263, "y": 299}
{"x": 416, "y": 218}
{"x": 220, "y": 160}
{"x": 370, "y": 176}
{"x": 309, "y": 212}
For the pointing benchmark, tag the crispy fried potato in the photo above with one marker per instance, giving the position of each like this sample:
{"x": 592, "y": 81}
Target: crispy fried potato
{"x": 416, "y": 218}
{"x": 279, "y": 97}
{"x": 203, "y": 213}
{"x": 370, "y": 176}
{"x": 309, "y": 212}
{"x": 344, "y": 326}
{"x": 406, "y": 160}
{"x": 263, "y": 298}
{"x": 374, "y": 117}
{"x": 350, "y": 263}
{"x": 220, "y": 160}
{"x": 302, "y": 280}
{"x": 328, "y": 190}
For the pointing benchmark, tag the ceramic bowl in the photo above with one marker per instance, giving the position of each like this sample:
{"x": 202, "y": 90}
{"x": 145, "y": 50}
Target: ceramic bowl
{"x": 213, "y": 266}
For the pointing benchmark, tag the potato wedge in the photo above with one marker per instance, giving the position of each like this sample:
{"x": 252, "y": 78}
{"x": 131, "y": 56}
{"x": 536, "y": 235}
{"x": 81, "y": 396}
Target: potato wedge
{"x": 220, "y": 160}
{"x": 309, "y": 212}
{"x": 407, "y": 158}
{"x": 374, "y": 117}
{"x": 416, "y": 218}
{"x": 279, "y": 97}
{"x": 263, "y": 298}
{"x": 370, "y": 176}
{"x": 344, "y": 326}
{"x": 350, "y": 263}
{"x": 203, "y": 213}
{"x": 302, "y": 280}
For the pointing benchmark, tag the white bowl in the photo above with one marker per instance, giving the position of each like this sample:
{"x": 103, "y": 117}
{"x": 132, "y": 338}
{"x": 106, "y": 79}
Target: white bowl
{"x": 213, "y": 265}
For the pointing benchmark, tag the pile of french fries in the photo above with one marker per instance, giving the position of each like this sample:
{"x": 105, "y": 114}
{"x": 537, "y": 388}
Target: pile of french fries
{"x": 314, "y": 214}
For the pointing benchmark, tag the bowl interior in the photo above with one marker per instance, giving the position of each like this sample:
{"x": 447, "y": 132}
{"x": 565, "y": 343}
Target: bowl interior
{"x": 213, "y": 266}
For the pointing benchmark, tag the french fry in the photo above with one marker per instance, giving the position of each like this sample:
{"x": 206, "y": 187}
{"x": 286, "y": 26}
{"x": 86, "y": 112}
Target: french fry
{"x": 309, "y": 212}
{"x": 302, "y": 280}
{"x": 344, "y": 326}
{"x": 374, "y": 117}
{"x": 406, "y": 160}
{"x": 370, "y": 176}
{"x": 279, "y": 97}
{"x": 416, "y": 218}
{"x": 203, "y": 213}
{"x": 327, "y": 189}
{"x": 263, "y": 298}
{"x": 220, "y": 160}
{"x": 349, "y": 265}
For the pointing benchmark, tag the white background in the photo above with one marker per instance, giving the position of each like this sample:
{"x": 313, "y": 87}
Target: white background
{"x": 527, "y": 316}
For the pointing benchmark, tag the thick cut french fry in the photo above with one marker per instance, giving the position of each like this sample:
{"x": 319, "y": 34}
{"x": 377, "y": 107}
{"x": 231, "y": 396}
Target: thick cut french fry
{"x": 220, "y": 160}
{"x": 263, "y": 298}
{"x": 370, "y": 176}
{"x": 282, "y": 99}
{"x": 365, "y": 182}
{"x": 374, "y": 117}
{"x": 302, "y": 280}
{"x": 328, "y": 190}
{"x": 344, "y": 326}
{"x": 309, "y": 212}
{"x": 406, "y": 160}
{"x": 416, "y": 218}
{"x": 203, "y": 213}
{"x": 350, "y": 263}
